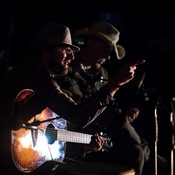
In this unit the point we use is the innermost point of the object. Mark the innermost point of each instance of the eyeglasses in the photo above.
(67, 50)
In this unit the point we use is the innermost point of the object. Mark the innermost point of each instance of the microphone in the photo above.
(87, 77)
(141, 81)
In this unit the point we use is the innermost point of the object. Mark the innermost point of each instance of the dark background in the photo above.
(147, 32)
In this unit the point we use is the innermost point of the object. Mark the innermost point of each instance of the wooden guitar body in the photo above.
(44, 139)
(30, 147)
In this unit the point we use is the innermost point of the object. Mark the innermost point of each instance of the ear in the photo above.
(45, 53)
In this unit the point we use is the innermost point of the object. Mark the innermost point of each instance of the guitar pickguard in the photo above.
(28, 156)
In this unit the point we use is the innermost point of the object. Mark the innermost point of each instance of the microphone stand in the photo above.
(156, 101)
(172, 117)
(37, 123)
(156, 137)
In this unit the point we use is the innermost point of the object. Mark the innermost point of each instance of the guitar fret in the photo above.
(27, 156)
(69, 136)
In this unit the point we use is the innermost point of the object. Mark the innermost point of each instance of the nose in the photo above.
(108, 57)
(71, 56)
(107, 54)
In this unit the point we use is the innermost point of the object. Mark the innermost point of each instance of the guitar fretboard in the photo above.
(76, 137)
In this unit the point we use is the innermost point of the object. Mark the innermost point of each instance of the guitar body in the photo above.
(30, 147)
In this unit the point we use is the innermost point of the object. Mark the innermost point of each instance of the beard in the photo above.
(58, 69)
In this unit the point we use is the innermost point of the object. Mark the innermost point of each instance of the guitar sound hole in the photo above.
(51, 134)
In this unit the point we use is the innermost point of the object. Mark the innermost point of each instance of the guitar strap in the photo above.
(22, 97)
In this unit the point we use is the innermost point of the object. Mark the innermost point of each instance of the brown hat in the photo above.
(105, 31)
(54, 34)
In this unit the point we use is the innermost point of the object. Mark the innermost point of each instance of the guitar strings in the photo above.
(55, 166)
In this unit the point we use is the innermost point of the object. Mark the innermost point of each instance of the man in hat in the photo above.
(30, 88)
(87, 76)
(96, 43)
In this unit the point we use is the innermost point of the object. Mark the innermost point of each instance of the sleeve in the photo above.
(47, 93)
(82, 114)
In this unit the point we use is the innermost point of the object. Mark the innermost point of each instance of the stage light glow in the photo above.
(50, 152)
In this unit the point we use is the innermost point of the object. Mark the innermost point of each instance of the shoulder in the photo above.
(104, 72)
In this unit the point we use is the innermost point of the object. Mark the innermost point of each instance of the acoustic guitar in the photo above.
(33, 145)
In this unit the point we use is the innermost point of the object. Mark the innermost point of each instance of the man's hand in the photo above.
(126, 72)
(96, 144)
(123, 76)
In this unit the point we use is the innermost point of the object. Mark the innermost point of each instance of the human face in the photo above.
(59, 60)
(132, 113)
(96, 53)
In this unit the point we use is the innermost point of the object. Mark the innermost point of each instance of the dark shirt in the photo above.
(46, 93)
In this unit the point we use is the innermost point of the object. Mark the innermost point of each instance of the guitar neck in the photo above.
(76, 137)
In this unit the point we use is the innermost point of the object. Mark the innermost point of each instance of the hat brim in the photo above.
(120, 51)
(73, 47)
